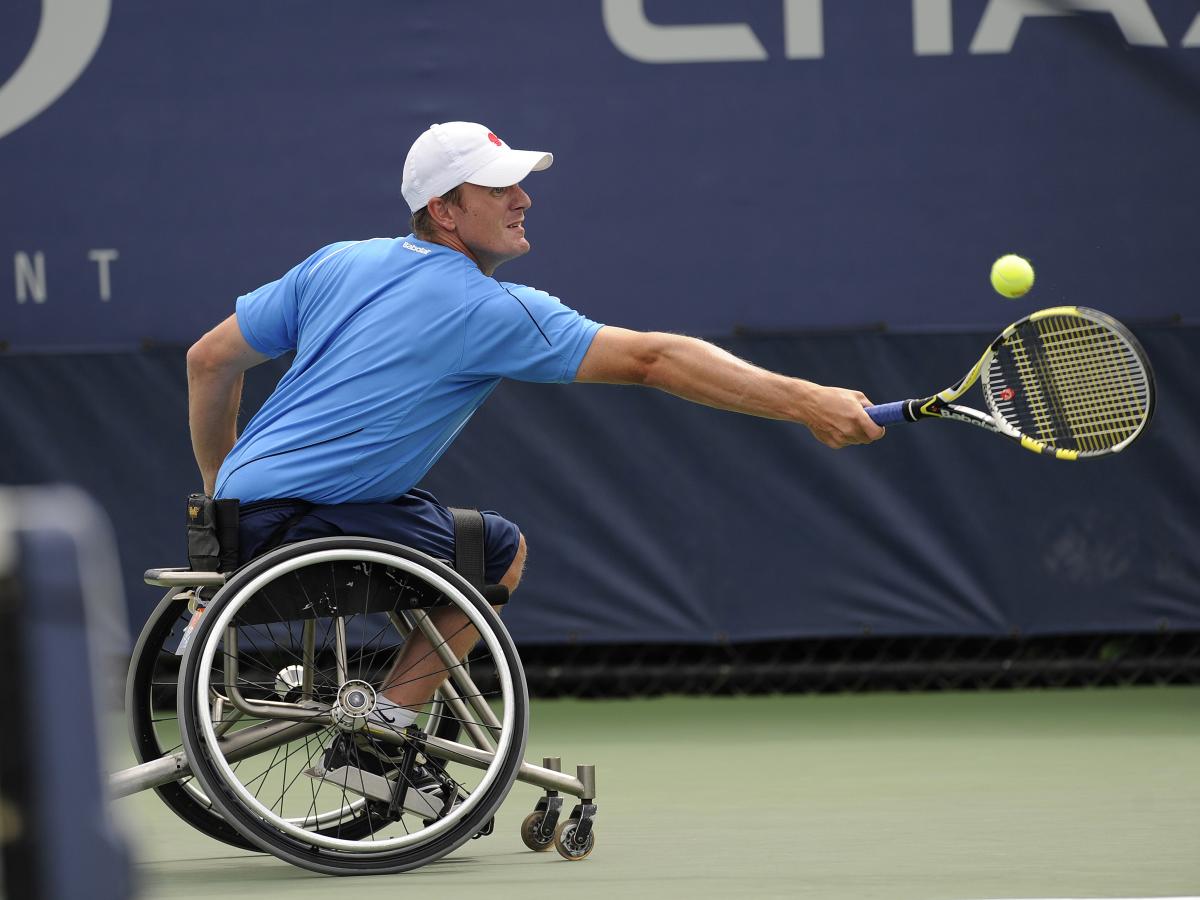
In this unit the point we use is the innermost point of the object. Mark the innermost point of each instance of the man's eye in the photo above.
(498, 192)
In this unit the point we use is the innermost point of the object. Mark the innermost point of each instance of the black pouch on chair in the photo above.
(204, 549)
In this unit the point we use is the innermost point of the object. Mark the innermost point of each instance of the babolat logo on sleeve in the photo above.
(415, 249)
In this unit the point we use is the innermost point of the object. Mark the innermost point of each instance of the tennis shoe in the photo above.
(364, 766)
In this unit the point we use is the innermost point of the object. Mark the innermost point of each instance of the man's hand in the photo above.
(836, 418)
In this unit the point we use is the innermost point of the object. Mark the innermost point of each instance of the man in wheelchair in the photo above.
(397, 342)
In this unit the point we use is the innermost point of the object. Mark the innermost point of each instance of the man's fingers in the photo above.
(845, 423)
(870, 429)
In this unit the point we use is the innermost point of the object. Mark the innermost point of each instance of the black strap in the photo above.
(227, 533)
(468, 545)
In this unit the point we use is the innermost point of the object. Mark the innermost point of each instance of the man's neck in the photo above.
(451, 240)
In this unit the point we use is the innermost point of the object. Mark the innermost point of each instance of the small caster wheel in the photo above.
(531, 832)
(567, 846)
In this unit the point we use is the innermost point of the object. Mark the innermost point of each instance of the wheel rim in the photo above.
(298, 827)
(163, 738)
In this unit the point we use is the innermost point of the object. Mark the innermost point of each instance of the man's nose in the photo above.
(522, 199)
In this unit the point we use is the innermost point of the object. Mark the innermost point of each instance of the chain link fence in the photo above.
(863, 664)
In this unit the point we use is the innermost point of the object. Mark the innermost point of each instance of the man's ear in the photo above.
(439, 211)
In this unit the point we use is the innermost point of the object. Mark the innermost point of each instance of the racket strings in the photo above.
(1099, 380)
(1074, 387)
(1079, 384)
(1061, 381)
(1030, 408)
(1107, 420)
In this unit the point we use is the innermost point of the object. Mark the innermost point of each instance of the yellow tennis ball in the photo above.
(1012, 276)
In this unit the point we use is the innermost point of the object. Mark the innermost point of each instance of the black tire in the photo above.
(279, 578)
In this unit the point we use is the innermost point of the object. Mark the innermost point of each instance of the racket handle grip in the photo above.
(888, 413)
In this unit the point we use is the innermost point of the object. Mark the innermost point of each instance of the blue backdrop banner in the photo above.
(652, 519)
(769, 164)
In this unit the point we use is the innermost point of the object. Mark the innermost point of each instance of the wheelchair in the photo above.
(240, 683)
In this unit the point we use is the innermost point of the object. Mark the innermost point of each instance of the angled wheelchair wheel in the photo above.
(150, 713)
(276, 699)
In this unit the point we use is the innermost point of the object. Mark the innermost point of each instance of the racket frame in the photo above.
(942, 406)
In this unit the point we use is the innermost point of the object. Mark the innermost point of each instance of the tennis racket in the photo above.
(1068, 382)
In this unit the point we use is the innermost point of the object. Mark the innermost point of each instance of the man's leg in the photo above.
(418, 670)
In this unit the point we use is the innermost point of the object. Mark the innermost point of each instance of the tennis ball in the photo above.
(1012, 276)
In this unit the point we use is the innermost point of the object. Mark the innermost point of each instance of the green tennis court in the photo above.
(1078, 793)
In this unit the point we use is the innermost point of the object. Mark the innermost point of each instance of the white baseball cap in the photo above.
(446, 155)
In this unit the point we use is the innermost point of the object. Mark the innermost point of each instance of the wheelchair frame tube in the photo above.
(182, 577)
(528, 773)
(173, 766)
(341, 651)
(268, 709)
(309, 660)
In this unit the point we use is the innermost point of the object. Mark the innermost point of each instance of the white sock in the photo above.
(391, 714)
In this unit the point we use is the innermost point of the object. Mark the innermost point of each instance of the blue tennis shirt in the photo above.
(397, 342)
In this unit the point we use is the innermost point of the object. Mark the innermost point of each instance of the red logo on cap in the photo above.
(1007, 394)
(495, 140)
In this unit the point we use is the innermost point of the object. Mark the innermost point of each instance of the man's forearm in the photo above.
(704, 373)
(215, 364)
(213, 401)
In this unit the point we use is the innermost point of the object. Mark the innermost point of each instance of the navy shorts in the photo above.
(416, 520)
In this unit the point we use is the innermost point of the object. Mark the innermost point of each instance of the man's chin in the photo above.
(510, 254)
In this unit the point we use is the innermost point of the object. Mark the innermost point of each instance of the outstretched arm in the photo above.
(215, 364)
(703, 373)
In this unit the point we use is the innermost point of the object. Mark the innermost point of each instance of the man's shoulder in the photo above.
(526, 290)
(528, 294)
(489, 298)
(331, 256)
(381, 257)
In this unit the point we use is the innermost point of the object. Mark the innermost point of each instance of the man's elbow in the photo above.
(212, 358)
(621, 356)
(651, 364)
(201, 358)
(222, 353)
